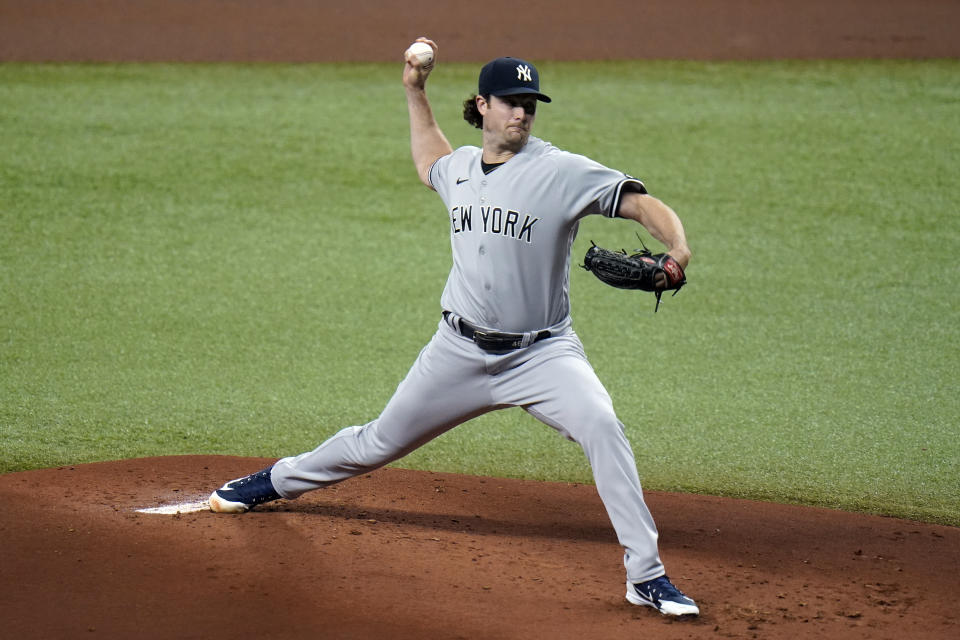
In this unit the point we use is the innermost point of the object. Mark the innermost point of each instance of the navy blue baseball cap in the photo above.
(510, 77)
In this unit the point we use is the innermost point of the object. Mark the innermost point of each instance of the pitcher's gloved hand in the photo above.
(642, 270)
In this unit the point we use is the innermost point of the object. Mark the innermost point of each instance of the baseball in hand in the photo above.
(423, 53)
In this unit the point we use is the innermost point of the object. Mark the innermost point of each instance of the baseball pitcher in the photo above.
(505, 337)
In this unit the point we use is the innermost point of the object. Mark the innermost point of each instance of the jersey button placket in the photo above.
(482, 250)
(482, 255)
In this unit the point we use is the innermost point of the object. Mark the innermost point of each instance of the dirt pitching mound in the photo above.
(406, 554)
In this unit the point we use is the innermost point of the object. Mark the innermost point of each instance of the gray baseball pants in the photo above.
(453, 381)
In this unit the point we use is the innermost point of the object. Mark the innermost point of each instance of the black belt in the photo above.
(495, 340)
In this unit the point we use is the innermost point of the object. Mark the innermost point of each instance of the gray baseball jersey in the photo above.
(511, 231)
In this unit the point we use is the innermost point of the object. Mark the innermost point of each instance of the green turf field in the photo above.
(240, 260)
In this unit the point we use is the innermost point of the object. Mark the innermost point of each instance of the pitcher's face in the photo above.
(507, 120)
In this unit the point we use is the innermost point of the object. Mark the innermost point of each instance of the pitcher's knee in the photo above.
(600, 433)
(367, 447)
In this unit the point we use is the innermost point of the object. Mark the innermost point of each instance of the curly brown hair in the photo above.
(470, 112)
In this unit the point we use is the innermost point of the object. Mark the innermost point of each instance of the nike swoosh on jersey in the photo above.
(462, 180)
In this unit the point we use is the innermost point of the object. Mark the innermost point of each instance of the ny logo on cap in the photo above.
(523, 73)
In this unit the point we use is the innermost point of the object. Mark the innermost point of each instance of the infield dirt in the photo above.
(537, 30)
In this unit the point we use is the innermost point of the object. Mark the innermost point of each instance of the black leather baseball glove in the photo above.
(642, 270)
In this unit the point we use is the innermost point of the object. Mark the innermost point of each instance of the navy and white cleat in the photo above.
(663, 596)
(244, 493)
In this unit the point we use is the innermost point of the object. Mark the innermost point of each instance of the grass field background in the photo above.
(219, 259)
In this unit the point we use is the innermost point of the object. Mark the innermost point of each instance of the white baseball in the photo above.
(423, 53)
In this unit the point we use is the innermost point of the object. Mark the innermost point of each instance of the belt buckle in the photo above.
(493, 342)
